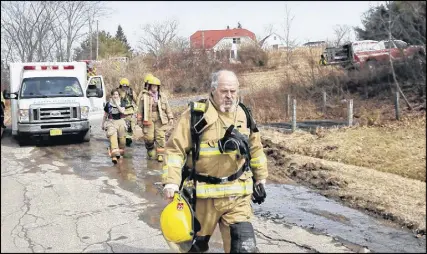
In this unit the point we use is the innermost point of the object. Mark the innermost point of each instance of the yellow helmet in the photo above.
(124, 82)
(179, 224)
(154, 81)
(147, 77)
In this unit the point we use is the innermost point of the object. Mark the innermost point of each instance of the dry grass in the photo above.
(391, 196)
(396, 147)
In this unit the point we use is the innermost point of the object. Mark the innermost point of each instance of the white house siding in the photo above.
(272, 42)
(227, 42)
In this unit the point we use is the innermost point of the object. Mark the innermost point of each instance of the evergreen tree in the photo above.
(120, 35)
(408, 22)
(109, 46)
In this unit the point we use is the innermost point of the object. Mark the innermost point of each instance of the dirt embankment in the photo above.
(381, 194)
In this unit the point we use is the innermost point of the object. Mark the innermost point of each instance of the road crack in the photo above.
(107, 241)
(268, 238)
(26, 206)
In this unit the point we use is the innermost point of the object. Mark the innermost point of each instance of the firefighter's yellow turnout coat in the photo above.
(226, 203)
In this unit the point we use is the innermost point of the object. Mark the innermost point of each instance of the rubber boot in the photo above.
(160, 158)
(128, 142)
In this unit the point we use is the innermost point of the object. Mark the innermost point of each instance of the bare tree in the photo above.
(342, 32)
(20, 23)
(157, 36)
(44, 30)
(72, 18)
(389, 25)
(290, 43)
(268, 30)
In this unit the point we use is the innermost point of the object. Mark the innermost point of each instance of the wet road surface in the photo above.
(63, 196)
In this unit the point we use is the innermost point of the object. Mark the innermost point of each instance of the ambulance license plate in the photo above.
(55, 132)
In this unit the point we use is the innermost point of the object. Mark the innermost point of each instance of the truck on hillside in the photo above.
(369, 53)
(54, 99)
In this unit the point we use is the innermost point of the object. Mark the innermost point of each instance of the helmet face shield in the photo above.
(178, 224)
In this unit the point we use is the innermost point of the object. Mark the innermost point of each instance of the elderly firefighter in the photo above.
(154, 115)
(217, 145)
(115, 125)
(128, 96)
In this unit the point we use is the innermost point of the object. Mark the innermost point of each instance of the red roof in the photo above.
(212, 37)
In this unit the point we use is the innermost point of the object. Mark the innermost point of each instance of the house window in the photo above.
(275, 38)
(236, 40)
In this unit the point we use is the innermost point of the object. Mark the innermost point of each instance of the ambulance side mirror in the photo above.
(7, 95)
(94, 92)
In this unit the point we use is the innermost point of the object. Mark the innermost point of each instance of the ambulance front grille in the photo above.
(58, 114)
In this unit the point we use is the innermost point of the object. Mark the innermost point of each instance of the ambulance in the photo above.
(54, 99)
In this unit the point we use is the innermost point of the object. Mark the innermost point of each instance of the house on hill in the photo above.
(273, 42)
(217, 40)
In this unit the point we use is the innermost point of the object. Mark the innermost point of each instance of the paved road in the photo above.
(68, 197)
(61, 196)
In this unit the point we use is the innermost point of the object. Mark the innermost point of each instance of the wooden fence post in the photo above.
(294, 115)
(324, 103)
(396, 105)
(350, 112)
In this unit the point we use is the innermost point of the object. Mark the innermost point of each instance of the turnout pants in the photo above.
(130, 125)
(116, 130)
(154, 134)
(233, 215)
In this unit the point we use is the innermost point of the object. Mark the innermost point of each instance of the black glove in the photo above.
(259, 194)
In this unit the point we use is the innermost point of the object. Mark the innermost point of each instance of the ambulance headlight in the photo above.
(24, 115)
(84, 112)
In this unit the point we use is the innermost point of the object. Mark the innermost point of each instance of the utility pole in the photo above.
(90, 38)
(97, 40)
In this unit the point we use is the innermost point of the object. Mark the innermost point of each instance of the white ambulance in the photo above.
(54, 99)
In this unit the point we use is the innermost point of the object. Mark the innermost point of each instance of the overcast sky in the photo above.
(313, 21)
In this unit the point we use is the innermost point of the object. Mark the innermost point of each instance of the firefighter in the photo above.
(322, 60)
(113, 123)
(128, 96)
(226, 169)
(2, 107)
(159, 115)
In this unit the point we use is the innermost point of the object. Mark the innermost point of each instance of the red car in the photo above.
(369, 53)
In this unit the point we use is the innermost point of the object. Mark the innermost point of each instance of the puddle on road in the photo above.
(299, 206)
(302, 207)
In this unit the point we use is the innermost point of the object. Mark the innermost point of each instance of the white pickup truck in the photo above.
(54, 99)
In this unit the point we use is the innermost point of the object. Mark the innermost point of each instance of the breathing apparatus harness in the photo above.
(233, 140)
(128, 96)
